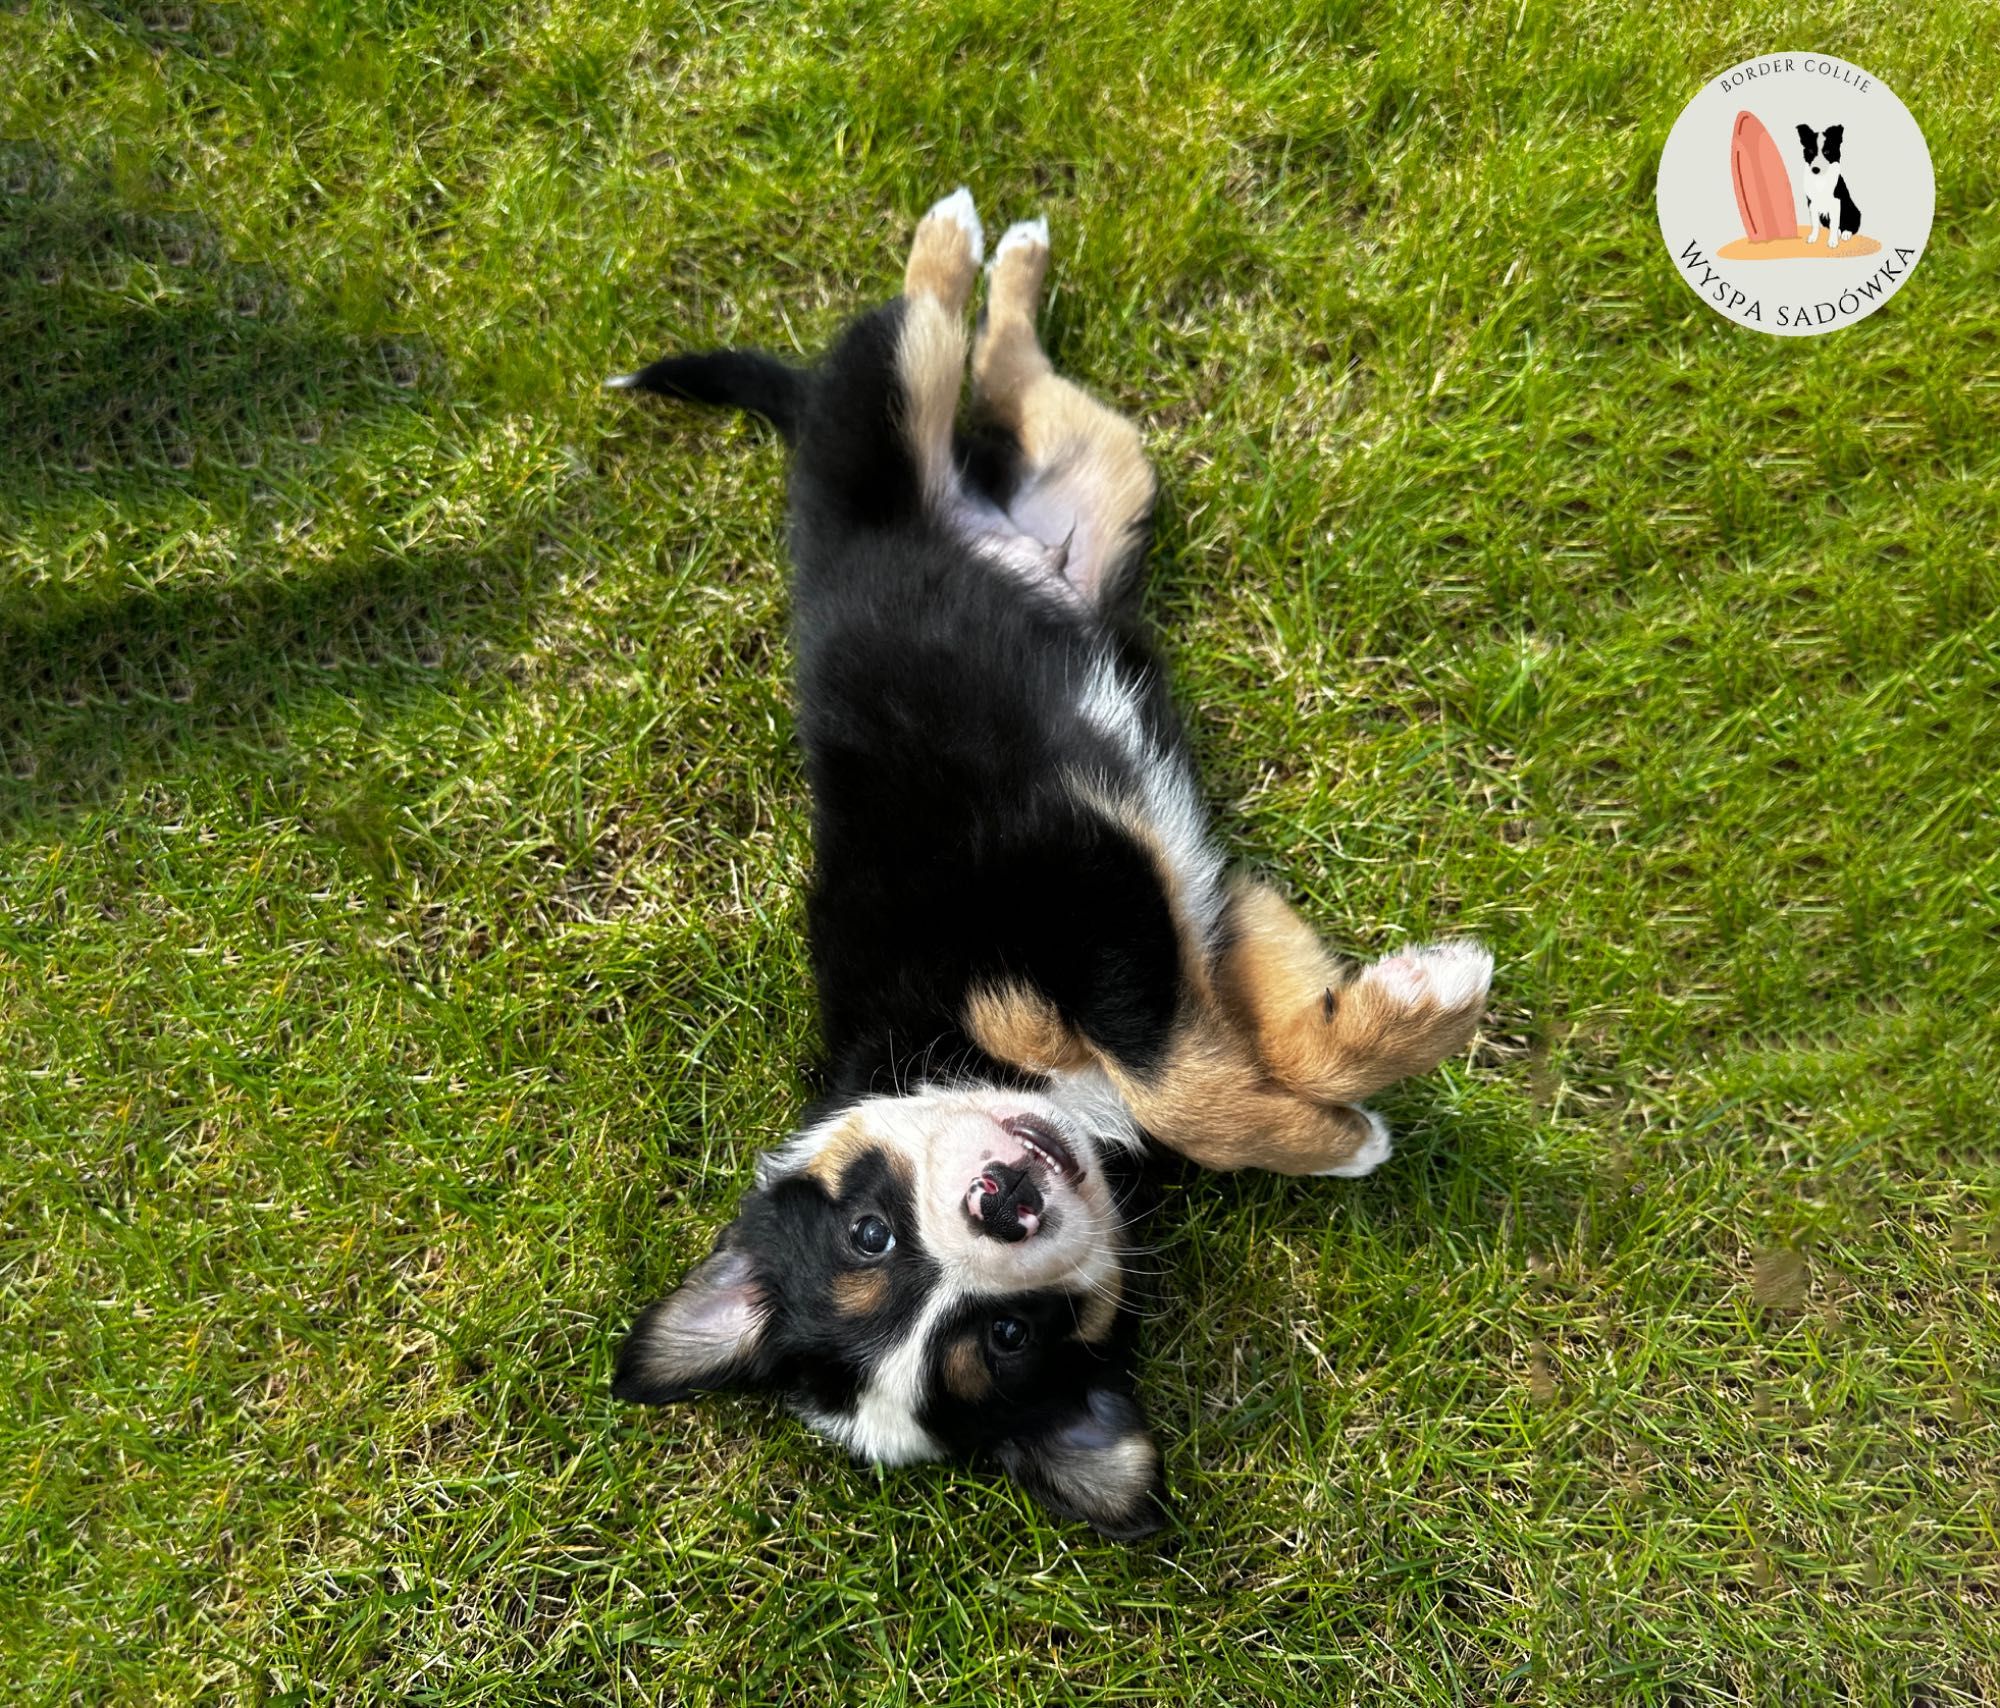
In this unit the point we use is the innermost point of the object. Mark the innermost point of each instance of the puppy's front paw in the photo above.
(1370, 1154)
(1452, 978)
(1398, 1017)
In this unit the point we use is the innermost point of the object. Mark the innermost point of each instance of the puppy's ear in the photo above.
(1829, 143)
(708, 1333)
(1807, 139)
(1098, 1464)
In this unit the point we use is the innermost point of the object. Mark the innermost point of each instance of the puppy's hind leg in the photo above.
(931, 343)
(1083, 486)
(874, 432)
(945, 253)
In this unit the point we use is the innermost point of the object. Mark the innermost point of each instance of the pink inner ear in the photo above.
(720, 1308)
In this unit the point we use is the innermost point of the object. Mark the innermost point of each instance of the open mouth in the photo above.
(1045, 1142)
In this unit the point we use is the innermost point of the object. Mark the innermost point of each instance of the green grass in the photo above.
(401, 851)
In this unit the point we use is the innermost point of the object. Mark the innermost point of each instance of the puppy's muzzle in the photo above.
(1005, 1202)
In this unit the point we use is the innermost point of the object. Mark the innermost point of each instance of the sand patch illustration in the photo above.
(1798, 249)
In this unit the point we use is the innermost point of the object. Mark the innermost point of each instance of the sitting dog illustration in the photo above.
(1829, 208)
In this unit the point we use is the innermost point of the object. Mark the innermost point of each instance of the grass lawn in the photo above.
(402, 849)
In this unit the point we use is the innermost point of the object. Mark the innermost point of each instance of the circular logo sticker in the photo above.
(1795, 193)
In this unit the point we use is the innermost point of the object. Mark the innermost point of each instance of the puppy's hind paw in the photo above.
(946, 252)
(1014, 279)
(958, 208)
(1023, 234)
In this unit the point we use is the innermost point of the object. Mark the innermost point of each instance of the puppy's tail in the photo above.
(730, 379)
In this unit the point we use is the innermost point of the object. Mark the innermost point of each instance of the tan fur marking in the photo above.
(843, 1145)
(1099, 1311)
(1317, 1032)
(1006, 361)
(1214, 1104)
(965, 1372)
(1021, 1027)
(1099, 453)
(860, 1292)
(1215, 1100)
(1014, 286)
(941, 266)
(1258, 1074)
(931, 347)
(1086, 462)
(930, 357)
(849, 1142)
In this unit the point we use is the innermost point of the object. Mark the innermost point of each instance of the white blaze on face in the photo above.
(946, 1139)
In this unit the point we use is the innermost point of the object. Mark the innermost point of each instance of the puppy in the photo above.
(1030, 958)
(1829, 208)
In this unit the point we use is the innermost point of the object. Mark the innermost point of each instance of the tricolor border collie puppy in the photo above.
(1829, 210)
(1031, 961)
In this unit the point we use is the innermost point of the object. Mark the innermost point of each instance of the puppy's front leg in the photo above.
(1335, 1038)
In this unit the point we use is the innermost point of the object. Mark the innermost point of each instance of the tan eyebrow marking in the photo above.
(860, 1292)
(846, 1145)
(965, 1372)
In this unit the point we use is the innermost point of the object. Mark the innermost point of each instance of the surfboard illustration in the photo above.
(1763, 186)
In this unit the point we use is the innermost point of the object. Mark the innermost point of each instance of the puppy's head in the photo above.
(1820, 148)
(939, 1275)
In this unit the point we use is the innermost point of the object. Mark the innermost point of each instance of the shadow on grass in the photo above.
(150, 387)
(111, 693)
(207, 32)
(139, 361)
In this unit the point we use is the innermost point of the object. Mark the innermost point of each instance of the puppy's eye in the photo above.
(1008, 1334)
(872, 1236)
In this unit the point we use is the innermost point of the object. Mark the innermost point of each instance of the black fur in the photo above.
(735, 379)
(936, 710)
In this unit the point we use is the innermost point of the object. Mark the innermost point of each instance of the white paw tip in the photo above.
(957, 207)
(1024, 234)
(621, 382)
(1372, 1152)
(1449, 976)
(1461, 972)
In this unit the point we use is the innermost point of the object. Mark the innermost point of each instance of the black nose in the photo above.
(1010, 1203)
